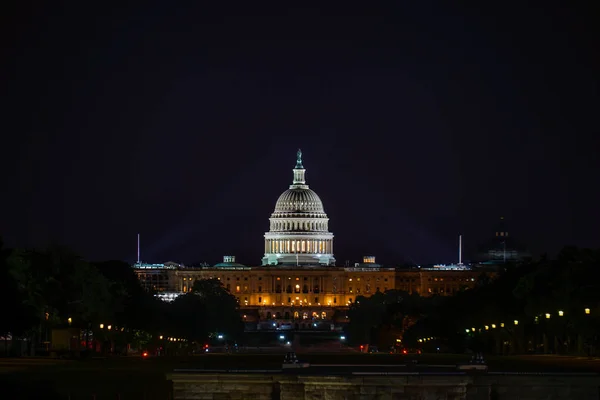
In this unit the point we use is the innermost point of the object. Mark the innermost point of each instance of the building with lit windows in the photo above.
(298, 283)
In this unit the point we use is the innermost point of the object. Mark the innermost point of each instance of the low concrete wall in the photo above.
(448, 387)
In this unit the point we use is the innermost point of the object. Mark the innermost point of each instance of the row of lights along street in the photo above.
(561, 313)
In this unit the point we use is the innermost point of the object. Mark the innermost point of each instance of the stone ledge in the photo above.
(212, 386)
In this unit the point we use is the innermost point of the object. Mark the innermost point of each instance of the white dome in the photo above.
(299, 228)
(299, 200)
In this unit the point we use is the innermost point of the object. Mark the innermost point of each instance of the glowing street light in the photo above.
(69, 320)
(109, 327)
(493, 326)
(547, 316)
(467, 330)
(516, 322)
(101, 326)
(587, 310)
(487, 327)
(561, 313)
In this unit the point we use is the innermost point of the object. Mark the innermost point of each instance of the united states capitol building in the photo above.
(298, 281)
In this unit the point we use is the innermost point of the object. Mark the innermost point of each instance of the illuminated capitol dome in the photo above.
(299, 232)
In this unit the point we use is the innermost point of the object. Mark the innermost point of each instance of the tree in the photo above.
(57, 287)
(208, 310)
(383, 317)
(16, 317)
(133, 306)
(366, 315)
(222, 308)
(188, 318)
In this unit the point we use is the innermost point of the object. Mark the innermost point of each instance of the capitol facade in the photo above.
(298, 283)
(299, 227)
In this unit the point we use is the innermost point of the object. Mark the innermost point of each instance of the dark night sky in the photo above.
(182, 123)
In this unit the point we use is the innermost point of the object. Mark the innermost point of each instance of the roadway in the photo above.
(320, 363)
(334, 364)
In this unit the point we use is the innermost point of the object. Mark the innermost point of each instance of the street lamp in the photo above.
(69, 320)
(561, 313)
(487, 327)
(493, 326)
(516, 322)
(467, 330)
(547, 316)
(101, 326)
(587, 310)
(109, 327)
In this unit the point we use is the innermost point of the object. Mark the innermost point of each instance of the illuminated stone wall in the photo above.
(292, 387)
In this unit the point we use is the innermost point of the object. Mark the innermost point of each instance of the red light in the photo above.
(145, 354)
(404, 351)
(206, 346)
(362, 347)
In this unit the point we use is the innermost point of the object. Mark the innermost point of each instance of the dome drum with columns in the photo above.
(299, 232)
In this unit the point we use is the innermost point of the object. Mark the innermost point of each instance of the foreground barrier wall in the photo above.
(413, 387)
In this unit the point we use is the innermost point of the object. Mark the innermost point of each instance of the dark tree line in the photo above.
(546, 306)
(54, 288)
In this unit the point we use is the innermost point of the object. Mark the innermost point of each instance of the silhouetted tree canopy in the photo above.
(523, 293)
(54, 288)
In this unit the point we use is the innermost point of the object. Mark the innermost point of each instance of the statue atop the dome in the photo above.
(299, 159)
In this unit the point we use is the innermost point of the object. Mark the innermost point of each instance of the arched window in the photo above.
(277, 288)
(305, 289)
(289, 289)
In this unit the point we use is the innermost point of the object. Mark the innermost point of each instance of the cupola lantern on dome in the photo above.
(299, 232)
(299, 180)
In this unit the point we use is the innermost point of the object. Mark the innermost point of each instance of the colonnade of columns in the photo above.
(310, 246)
(299, 225)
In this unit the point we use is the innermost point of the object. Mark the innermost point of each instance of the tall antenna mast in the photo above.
(138, 249)
(459, 249)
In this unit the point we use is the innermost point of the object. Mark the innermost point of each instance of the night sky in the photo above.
(182, 123)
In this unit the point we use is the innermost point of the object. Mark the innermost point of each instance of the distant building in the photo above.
(501, 247)
(298, 282)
